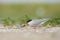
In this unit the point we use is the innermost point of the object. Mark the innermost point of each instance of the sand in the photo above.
(52, 33)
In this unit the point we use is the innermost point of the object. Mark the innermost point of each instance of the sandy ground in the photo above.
(30, 34)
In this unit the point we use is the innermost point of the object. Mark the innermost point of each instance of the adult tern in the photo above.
(36, 22)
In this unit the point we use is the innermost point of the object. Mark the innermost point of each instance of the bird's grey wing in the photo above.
(42, 21)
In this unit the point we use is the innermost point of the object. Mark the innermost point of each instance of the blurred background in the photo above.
(33, 8)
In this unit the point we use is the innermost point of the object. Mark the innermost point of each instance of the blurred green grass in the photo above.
(19, 11)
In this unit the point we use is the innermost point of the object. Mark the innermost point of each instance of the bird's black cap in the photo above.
(29, 20)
